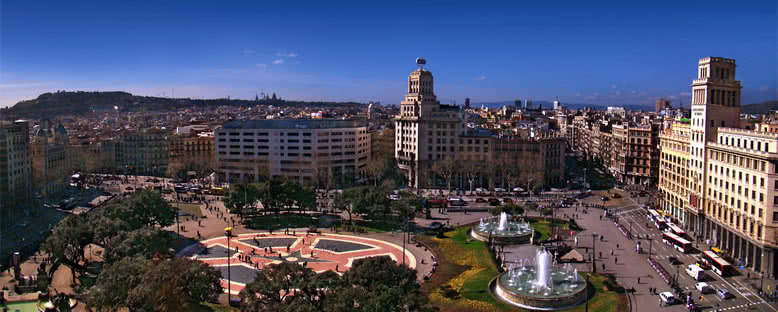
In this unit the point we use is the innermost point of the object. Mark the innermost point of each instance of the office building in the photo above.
(312, 151)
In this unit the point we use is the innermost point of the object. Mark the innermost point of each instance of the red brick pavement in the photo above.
(305, 244)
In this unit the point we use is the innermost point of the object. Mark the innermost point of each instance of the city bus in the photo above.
(677, 242)
(672, 228)
(717, 263)
(653, 215)
(660, 223)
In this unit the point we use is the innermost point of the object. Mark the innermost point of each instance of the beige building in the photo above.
(676, 181)
(732, 170)
(309, 151)
(429, 133)
(50, 166)
(635, 154)
(191, 152)
(142, 152)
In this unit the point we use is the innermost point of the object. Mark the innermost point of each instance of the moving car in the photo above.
(723, 293)
(703, 287)
(604, 198)
(394, 197)
(667, 297)
(500, 190)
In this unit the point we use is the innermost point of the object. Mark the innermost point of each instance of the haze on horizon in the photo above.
(605, 53)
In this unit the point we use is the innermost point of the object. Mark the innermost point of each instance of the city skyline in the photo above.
(357, 53)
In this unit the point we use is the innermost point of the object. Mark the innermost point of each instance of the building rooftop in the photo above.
(293, 124)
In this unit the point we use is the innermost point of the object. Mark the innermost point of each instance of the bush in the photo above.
(448, 292)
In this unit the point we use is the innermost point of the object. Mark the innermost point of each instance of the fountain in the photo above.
(540, 286)
(502, 230)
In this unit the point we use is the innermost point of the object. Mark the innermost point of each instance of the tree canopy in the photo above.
(372, 284)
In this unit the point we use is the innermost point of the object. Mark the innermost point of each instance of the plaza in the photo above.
(250, 252)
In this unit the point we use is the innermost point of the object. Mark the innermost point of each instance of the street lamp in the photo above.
(588, 275)
(594, 252)
(228, 233)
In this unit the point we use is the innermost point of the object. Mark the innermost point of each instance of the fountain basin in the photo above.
(502, 231)
(566, 289)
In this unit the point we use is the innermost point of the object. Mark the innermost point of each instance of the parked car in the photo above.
(616, 195)
(604, 198)
(394, 197)
(703, 287)
(667, 297)
(480, 200)
(500, 190)
(494, 202)
(723, 294)
(518, 189)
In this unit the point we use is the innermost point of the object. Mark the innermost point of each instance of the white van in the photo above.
(696, 272)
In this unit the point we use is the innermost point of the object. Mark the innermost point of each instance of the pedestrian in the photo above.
(616, 260)
(638, 279)
(617, 246)
(611, 252)
(603, 266)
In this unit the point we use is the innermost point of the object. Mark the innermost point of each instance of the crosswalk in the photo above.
(748, 297)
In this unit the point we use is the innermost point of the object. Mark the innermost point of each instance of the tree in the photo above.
(174, 284)
(68, 240)
(447, 169)
(342, 202)
(145, 242)
(278, 287)
(381, 284)
(472, 170)
(148, 208)
(372, 284)
(111, 291)
(240, 197)
(531, 206)
(375, 169)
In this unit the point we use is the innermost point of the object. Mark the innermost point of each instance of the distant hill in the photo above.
(49, 105)
(760, 108)
(549, 105)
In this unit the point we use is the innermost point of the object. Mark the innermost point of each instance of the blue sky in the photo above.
(615, 53)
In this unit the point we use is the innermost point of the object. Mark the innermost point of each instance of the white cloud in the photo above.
(480, 78)
(278, 61)
(247, 52)
(261, 65)
(287, 55)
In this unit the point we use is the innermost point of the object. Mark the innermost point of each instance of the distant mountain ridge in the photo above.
(760, 108)
(60, 103)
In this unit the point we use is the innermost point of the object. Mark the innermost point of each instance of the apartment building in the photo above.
(427, 132)
(15, 171)
(723, 178)
(676, 181)
(312, 151)
(50, 165)
(142, 152)
(191, 152)
(742, 194)
(635, 153)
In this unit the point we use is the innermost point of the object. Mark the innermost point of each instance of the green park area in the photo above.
(281, 221)
(190, 209)
(465, 269)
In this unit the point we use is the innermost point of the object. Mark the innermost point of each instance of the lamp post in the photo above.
(588, 275)
(594, 252)
(228, 232)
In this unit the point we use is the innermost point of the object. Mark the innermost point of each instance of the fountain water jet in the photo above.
(502, 230)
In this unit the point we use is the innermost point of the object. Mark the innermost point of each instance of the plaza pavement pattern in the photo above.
(250, 252)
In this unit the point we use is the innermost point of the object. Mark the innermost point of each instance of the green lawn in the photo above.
(192, 209)
(373, 226)
(472, 284)
(280, 221)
